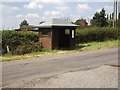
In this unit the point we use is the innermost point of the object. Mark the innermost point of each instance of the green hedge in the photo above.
(96, 34)
(20, 42)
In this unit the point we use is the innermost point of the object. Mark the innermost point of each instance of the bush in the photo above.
(20, 42)
(27, 48)
(96, 34)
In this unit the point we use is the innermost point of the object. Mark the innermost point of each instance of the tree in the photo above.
(107, 16)
(99, 19)
(81, 22)
(42, 22)
(24, 22)
(110, 16)
(110, 23)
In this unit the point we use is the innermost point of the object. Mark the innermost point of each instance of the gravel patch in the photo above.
(100, 77)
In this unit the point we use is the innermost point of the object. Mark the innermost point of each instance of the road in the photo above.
(51, 65)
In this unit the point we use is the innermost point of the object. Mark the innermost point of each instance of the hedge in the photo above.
(20, 42)
(96, 34)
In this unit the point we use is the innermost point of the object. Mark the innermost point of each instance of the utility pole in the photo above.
(114, 14)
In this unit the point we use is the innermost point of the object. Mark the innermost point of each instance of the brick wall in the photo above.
(46, 41)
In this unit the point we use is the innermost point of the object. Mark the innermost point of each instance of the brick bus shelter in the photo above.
(57, 34)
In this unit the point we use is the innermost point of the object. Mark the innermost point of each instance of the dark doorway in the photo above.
(64, 38)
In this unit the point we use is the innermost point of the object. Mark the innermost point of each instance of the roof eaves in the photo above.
(42, 26)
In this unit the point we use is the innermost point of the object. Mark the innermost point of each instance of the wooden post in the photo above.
(8, 50)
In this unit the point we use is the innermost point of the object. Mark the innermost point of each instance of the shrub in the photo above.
(45, 49)
(96, 34)
(27, 48)
(20, 42)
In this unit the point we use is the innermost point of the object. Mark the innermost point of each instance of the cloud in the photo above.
(98, 10)
(90, 17)
(33, 5)
(8, 9)
(29, 15)
(48, 1)
(55, 2)
(109, 9)
(82, 8)
(52, 13)
(12, 0)
(19, 16)
(2, 6)
(63, 8)
(32, 15)
(74, 17)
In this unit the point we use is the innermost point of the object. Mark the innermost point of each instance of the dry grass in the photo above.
(9, 57)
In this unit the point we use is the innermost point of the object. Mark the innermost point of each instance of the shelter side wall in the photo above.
(46, 41)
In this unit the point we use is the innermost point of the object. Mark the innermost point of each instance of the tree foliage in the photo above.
(81, 22)
(110, 23)
(99, 19)
(119, 20)
(24, 22)
(41, 22)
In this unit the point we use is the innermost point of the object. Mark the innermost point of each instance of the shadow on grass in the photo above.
(75, 48)
(81, 46)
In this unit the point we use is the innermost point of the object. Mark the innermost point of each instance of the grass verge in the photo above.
(79, 48)
(97, 45)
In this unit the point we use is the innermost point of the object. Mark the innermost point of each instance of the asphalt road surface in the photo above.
(51, 65)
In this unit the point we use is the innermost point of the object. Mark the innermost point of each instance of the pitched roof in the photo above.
(57, 22)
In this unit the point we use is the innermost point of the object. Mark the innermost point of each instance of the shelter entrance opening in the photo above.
(64, 38)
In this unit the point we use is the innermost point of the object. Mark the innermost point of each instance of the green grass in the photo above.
(97, 45)
(79, 48)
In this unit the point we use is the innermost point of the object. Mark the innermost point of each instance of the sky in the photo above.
(36, 11)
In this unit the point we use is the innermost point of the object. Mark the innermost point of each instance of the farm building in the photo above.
(27, 28)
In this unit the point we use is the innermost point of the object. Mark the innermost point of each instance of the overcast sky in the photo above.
(38, 10)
